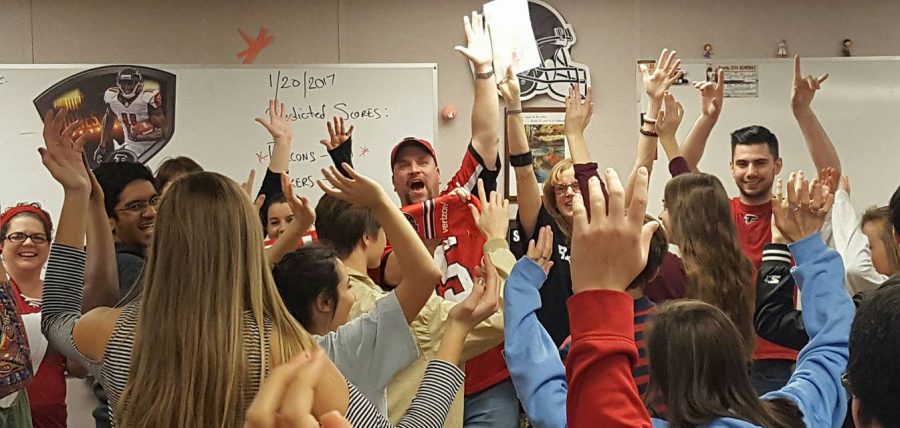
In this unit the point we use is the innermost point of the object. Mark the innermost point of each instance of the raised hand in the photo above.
(829, 178)
(337, 133)
(356, 189)
(286, 397)
(626, 240)
(62, 154)
(482, 301)
(804, 89)
(712, 95)
(663, 76)
(510, 91)
(845, 184)
(280, 128)
(541, 251)
(478, 43)
(669, 119)
(803, 212)
(493, 219)
(302, 210)
(247, 186)
(578, 111)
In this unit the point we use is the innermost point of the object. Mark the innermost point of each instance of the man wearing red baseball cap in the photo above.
(490, 398)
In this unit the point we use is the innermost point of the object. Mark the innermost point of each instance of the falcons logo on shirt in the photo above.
(750, 218)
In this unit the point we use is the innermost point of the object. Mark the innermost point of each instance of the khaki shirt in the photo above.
(428, 329)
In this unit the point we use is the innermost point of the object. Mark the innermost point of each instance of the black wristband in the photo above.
(524, 159)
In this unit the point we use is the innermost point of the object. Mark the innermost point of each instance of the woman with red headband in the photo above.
(25, 232)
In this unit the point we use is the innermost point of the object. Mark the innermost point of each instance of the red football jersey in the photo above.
(754, 228)
(459, 254)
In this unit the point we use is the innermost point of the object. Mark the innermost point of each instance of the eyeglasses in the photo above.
(561, 189)
(139, 207)
(845, 381)
(19, 237)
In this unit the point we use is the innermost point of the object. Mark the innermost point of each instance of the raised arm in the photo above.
(420, 274)
(823, 153)
(486, 108)
(532, 358)
(339, 143)
(712, 96)
(81, 338)
(656, 83)
(304, 217)
(667, 123)
(101, 282)
(602, 391)
(852, 244)
(282, 132)
(528, 193)
(827, 309)
(775, 318)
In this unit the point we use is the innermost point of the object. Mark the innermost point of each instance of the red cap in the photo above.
(408, 141)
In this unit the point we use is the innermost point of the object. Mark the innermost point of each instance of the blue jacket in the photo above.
(815, 386)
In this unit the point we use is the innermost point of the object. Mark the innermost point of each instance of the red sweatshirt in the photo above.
(601, 361)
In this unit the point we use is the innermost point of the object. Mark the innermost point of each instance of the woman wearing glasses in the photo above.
(25, 232)
(550, 206)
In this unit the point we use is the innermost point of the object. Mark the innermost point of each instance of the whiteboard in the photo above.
(858, 107)
(215, 108)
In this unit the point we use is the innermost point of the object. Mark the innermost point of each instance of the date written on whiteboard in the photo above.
(308, 83)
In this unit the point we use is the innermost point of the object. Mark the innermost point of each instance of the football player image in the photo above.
(138, 110)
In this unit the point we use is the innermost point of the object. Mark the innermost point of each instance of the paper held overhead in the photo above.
(512, 37)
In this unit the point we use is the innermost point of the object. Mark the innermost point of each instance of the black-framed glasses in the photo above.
(561, 189)
(845, 381)
(20, 237)
(139, 207)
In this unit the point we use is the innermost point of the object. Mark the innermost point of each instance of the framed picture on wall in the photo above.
(545, 132)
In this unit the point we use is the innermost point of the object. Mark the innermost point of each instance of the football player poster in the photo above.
(127, 111)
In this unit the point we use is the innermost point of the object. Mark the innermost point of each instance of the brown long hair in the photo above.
(696, 361)
(549, 196)
(205, 270)
(717, 271)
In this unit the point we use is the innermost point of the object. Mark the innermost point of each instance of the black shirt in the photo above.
(553, 314)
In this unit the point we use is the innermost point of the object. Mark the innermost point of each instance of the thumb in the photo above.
(660, 117)
(463, 50)
(262, 122)
(326, 143)
(647, 232)
(475, 214)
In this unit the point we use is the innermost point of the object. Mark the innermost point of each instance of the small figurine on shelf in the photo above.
(707, 51)
(782, 49)
(846, 45)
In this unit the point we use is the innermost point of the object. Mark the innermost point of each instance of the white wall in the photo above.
(612, 35)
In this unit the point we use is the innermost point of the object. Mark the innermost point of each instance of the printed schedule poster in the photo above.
(741, 81)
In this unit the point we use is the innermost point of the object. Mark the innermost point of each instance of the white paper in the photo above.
(511, 36)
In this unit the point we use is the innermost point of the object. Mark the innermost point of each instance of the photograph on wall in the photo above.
(546, 135)
(127, 111)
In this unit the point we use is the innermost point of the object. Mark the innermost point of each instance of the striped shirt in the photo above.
(62, 298)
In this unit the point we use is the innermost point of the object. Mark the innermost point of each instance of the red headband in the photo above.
(14, 211)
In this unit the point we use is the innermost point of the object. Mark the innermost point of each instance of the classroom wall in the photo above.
(612, 35)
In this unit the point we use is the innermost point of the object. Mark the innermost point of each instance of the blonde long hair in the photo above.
(205, 269)
(549, 196)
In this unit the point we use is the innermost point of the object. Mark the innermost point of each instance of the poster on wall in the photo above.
(128, 111)
(557, 71)
(546, 135)
(741, 80)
